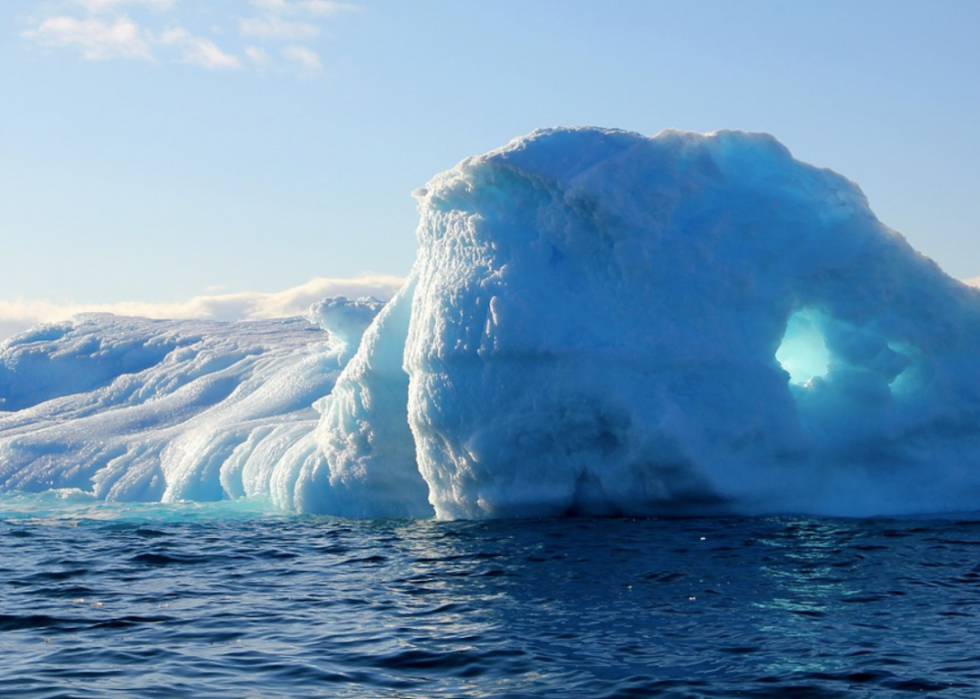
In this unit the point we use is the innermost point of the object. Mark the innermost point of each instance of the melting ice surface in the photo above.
(597, 322)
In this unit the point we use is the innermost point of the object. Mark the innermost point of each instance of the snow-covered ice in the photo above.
(597, 322)
(139, 409)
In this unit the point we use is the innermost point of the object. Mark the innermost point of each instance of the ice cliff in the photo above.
(597, 322)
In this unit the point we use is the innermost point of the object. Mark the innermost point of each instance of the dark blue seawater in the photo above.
(151, 601)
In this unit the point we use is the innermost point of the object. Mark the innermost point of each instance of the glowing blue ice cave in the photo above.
(803, 351)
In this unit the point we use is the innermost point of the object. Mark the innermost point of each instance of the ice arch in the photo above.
(594, 324)
(597, 322)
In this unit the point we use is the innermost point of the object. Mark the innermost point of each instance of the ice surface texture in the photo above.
(137, 409)
(597, 322)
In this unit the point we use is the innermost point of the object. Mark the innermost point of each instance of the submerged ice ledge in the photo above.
(597, 322)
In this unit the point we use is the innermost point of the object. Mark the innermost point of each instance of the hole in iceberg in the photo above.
(803, 353)
(903, 379)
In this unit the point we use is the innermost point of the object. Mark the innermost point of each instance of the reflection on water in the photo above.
(136, 602)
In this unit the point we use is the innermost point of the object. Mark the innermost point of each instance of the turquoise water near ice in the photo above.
(230, 600)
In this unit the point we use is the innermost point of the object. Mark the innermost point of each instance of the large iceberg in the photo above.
(597, 323)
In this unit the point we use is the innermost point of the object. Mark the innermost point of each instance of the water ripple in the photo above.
(317, 607)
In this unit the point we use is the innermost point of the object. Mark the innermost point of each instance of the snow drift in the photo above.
(597, 322)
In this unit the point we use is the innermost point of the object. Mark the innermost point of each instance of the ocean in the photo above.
(209, 601)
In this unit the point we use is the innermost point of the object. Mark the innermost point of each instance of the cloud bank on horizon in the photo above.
(269, 34)
(20, 314)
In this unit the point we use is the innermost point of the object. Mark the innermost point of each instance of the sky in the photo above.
(238, 158)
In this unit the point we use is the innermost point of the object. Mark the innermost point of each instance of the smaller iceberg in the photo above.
(134, 409)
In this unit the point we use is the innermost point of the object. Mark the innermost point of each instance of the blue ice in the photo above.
(597, 322)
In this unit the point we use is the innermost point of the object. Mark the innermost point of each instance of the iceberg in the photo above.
(597, 323)
(133, 409)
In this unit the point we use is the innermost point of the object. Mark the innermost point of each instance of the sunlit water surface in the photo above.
(231, 601)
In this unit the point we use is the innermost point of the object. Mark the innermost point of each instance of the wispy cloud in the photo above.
(286, 31)
(199, 51)
(21, 314)
(325, 8)
(257, 55)
(309, 60)
(96, 39)
(95, 6)
(321, 8)
(277, 28)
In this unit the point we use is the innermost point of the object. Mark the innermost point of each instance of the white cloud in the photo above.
(108, 5)
(275, 28)
(320, 8)
(19, 315)
(309, 60)
(101, 30)
(271, 5)
(324, 8)
(199, 50)
(96, 39)
(257, 55)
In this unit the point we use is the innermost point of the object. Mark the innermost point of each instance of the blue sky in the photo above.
(172, 153)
